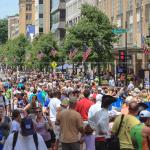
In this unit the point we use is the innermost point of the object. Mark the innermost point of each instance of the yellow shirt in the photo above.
(128, 123)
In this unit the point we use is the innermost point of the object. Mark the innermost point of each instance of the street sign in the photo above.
(119, 31)
(53, 64)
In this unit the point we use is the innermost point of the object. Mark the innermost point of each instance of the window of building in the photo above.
(138, 3)
(40, 15)
(28, 16)
(120, 6)
(112, 7)
(130, 5)
(40, 1)
(130, 38)
(62, 15)
(139, 26)
(55, 17)
(41, 30)
(28, 0)
(147, 13)
(28, 7)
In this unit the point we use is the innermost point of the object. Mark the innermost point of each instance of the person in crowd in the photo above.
(2, 99)
(8, 97)
(129, 121)
(43, 124)
(111, 82)
(83, 105)
(30, 108)
(88, 138)
(4, 126)
(130, 86)
(26, 139)
(16, 119)
(101, 122)
(96, 107)
(71, 124)
(54, 106)
(140, 134)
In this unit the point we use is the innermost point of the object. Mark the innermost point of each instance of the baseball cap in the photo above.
(72, 100)
(27, 127)
(144, 114)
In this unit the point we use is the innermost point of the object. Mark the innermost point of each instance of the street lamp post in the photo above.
(126, 52)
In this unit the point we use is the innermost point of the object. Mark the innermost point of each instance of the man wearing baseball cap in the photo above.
(140, 134)
(26, 139)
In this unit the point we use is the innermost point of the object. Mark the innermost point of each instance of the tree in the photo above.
(3, 31)
(13, 51)
(43, 43)
(95, 30)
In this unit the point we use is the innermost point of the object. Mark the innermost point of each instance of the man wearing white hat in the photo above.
(96, 107)
(140, 134)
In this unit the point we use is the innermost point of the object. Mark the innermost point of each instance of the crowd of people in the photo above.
(48, 112)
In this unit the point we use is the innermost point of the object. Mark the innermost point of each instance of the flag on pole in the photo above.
(53, 52)
(145, 47)
(40, 55)
(86, 52)
(73, 52)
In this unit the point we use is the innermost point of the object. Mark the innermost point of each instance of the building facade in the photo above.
(133, 15)
(34, 16)
(58, 18)
(13, 27)
(73, 11)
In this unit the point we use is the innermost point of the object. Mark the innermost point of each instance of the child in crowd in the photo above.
(88, 138)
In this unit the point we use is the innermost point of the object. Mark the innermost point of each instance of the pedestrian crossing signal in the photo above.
(122, 56)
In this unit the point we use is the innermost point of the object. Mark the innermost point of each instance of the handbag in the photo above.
(51, 131)
(113, 143)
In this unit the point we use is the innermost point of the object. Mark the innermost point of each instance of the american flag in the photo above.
(73, 52)
(86, 52)
(53, 52)
(40, 55)
(145, 47)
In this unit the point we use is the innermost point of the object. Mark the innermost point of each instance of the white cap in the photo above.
(99, 97)
(144, 114)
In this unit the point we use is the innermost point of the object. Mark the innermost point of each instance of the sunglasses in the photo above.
(38, 112)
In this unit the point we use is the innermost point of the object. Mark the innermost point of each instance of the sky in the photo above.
(8, 8)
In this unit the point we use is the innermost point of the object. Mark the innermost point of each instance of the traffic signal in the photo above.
(122, 56)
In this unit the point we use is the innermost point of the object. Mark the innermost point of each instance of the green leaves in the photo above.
(95, 30)
(3, 31)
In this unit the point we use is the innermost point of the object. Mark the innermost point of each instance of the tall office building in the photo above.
(134, 15)
(13, 27)
(73, 11)
(44, 16)
(58, 16)
(34, 16)
(26, 15)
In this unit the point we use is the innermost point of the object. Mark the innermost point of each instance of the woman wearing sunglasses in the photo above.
(42, 126)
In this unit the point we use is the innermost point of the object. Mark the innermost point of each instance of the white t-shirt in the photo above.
(53, 105)
(15, 126)
(94, 108)
(24, 143)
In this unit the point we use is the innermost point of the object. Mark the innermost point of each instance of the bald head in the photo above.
(133, 108)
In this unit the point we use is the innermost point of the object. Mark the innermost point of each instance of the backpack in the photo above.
(15, 137)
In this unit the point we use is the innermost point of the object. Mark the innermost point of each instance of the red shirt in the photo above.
(83, 106)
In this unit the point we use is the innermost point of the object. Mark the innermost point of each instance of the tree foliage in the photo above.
(3, 30)
(95, 30)
(21, 52)
(43, 43)
(13, 52)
